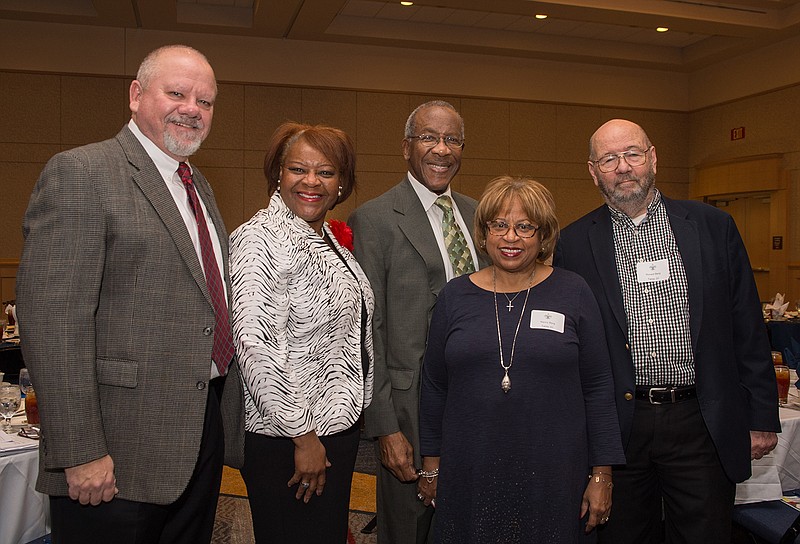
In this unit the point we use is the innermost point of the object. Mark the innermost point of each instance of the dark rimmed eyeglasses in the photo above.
(501, 228)
(429, 140)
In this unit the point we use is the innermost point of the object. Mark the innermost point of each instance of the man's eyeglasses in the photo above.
(429, 140)
(634, 157)
(500, 228)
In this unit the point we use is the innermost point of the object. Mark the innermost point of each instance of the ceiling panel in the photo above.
(614, 32)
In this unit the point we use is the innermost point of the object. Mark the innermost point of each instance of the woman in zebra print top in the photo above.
(302, 322)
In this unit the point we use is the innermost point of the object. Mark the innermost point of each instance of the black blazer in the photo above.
(734, 377)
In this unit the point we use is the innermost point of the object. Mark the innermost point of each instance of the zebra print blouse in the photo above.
(296, 315)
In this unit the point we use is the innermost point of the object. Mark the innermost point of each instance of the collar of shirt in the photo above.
(426, 196)
(166, 165)
(632, 222)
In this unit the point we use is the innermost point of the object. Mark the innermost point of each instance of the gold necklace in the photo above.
(505, 383)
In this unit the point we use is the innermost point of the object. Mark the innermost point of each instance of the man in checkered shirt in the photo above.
(694, 385)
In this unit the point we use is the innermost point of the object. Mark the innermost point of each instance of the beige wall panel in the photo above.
(381, 122)
(531, 128)
(21, 179)
(264, 109)
(575, 124)
(37, 153)
(487, 128)
(732, 78)
(254, 194)
(673, 190)
(31, 108)
(335, 108)
(254, 158)
(534, 169)
(391, 163)
(573, 198)
(92, 108)
(64, 48)
(227, 128)
(343, 210)
(374, 184)
(228, 192)
(486, 167)
(470, 185)
(770, 122)
(8, 289)
(221, 158)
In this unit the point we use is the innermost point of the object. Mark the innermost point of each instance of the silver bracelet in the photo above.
(429, 475)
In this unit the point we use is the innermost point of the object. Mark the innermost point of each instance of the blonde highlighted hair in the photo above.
(537, 203)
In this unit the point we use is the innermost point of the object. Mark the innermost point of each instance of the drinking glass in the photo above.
(782, 377)
(25, 385)
(9, 404)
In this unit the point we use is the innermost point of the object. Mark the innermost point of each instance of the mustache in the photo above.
(184, 120)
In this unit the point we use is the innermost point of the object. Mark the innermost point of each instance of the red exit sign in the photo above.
(737, 133)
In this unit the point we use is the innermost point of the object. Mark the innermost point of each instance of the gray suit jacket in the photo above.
(396, 248)
(116, 322)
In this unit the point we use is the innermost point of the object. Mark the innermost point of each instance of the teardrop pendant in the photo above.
(506, 383)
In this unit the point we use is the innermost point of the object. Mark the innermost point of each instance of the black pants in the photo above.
(280, 518)
(671, 461)
(189, 520)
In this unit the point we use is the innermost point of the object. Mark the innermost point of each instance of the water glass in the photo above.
(9, 404)
(25, 385)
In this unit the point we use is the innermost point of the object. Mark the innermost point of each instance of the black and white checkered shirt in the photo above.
(657, 311)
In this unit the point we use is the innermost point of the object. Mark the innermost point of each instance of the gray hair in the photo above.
(411, 123)
(149, 66)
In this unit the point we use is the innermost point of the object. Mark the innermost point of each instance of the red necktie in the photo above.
(222, 352)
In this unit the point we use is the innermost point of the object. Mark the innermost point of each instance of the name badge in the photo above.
(650, 271)
(547, 320)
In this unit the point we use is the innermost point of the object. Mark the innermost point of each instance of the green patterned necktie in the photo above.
(457, 248)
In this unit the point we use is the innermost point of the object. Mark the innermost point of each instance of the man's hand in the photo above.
(398, 456)
(93, 482)
(761, 443)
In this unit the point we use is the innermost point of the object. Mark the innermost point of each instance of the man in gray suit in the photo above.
(122, 306)
(400, 243)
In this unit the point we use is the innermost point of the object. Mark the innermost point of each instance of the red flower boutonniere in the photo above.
(342, 232)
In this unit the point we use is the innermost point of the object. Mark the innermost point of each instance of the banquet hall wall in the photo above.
(53, 101)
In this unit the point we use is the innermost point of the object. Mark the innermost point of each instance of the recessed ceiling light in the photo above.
(406, 3)
(662, 29)
(540, 16)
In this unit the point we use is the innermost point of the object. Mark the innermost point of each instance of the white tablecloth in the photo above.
(779, 471)
(24, 512)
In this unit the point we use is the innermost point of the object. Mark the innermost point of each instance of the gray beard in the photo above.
(181, 148)
(633, 199)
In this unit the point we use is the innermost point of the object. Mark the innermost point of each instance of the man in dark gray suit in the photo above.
(122, 302)
(400, 243)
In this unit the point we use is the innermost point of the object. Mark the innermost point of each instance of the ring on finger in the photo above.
(420, 497)
(306, 485)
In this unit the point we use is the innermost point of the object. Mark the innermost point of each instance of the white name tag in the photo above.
(650, 271)
(548, 320)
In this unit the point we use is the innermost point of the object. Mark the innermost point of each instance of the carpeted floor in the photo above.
(233, 522)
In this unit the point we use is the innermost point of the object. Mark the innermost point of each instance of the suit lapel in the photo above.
(688, 239)
(413, 222)
(601, 242)
(155, 190)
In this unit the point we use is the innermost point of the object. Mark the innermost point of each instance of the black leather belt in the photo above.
(665, 395)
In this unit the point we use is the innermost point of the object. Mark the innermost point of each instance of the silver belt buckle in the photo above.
(660, 389)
